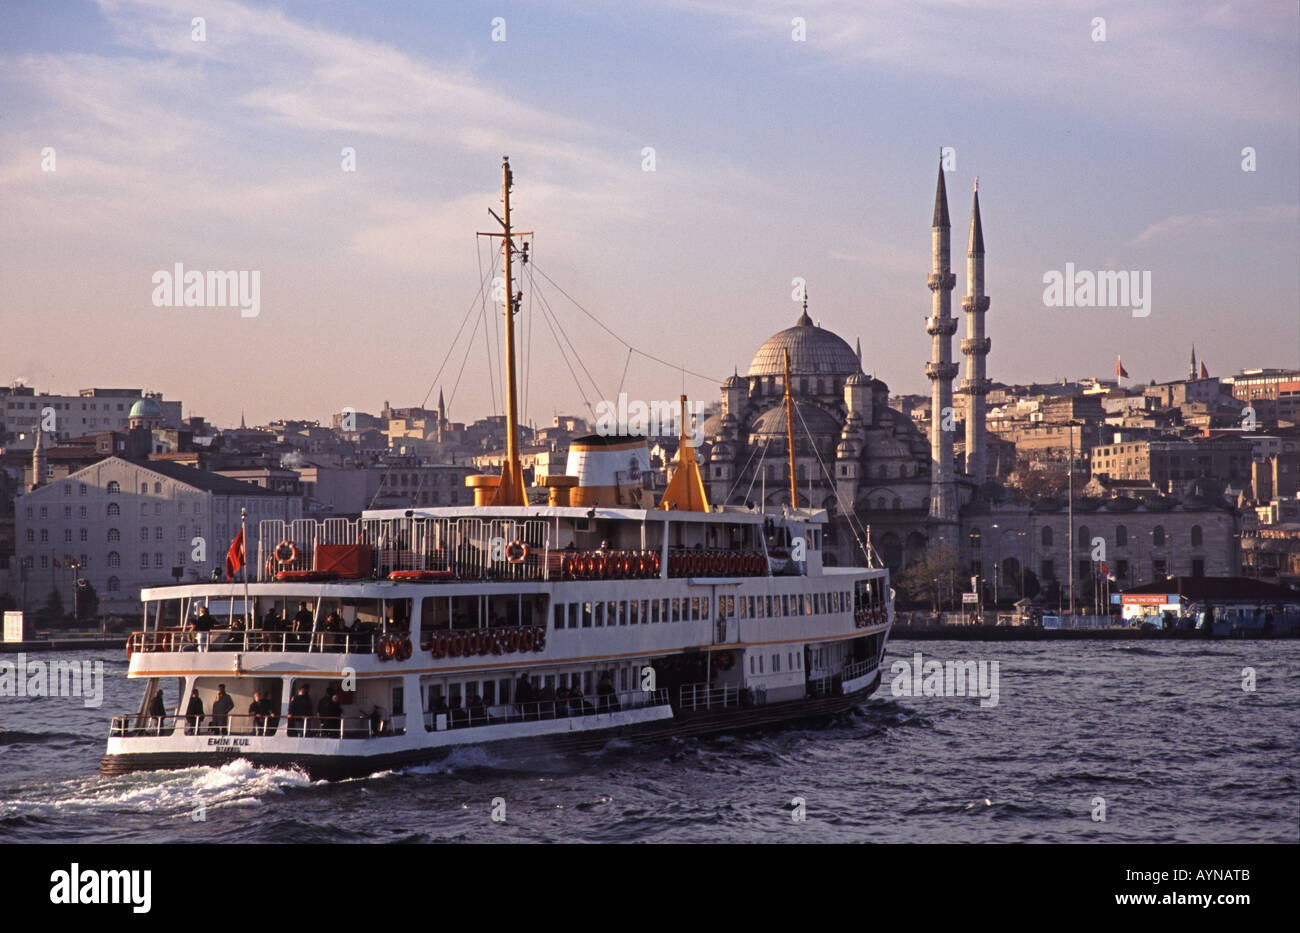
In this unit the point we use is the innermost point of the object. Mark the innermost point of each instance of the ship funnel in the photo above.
(612, 470)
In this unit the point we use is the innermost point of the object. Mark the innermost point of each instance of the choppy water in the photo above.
(1161, 730)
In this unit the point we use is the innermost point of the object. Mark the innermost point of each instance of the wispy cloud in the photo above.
(1215, 220)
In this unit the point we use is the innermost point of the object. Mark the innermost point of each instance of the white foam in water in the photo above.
(237, 783)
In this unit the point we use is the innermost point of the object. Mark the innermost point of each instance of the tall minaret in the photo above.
(941, 370)
(975, 346)
(1191, 367)
(38, 459)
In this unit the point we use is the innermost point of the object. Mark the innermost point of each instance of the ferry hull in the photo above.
(682, 724)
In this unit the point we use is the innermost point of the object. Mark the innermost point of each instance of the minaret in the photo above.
(1191, 367)
(38, 459)
(941, 370)
(975, 346)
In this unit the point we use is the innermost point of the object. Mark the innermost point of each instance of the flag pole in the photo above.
(243, 542)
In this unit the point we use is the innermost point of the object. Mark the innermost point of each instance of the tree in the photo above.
(87, 602)
(52, 613)
(938, 571)
(1041, 480)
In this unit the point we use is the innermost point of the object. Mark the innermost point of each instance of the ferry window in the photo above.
(743, 614)
(622, 679)
(751, 664)
(503, 690)
(600, 614)
(559, 616)
(731, 605)
(760, 664)
(489, 693)
(776, 664)
(635, 613)
(586, 615)
(611, 613)
(435, 613)
(453, 696)
(549, 683)
(435, 694)
(704, 608)
(622, 613)
(573, 615)
(677, 610)
(790, 658)
(807, 604)
(663, 611)
(695, 608)
(588, 684)
(654, 611)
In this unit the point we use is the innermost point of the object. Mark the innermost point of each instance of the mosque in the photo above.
(855, 453)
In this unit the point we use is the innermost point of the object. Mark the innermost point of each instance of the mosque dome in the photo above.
(813, 351)
(145, 408)
(819, 421)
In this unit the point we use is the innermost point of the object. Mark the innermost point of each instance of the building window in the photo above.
(67, 489)
(1084, 536)
(67, 535)
(114, 584)
(45, 512)
(31, 536)
(144, 534)
(114, 559)
(1196, 540)
(144, 560)
(1121, 535)
(1046, 536)
(157, 488)
(1121, 570)
(83, 489)
(114, 510)
(84, 536)
(1158, 536)
(114, 535)
(144, 489)
(45, 561)
(114, 487)
(45, 535)
(1158, 569)
(158, 533)
(1198, 567)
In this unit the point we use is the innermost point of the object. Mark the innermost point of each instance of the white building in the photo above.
(128, 524)
(93, 411)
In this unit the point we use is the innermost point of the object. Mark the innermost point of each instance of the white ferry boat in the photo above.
(396, 638)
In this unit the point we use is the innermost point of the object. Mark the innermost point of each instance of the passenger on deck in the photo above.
(523, 695)
(260, 711)
(562, 703)
(606, 699)
(546, 702)
(203, 624)
(300, 710)
(221, 707)
(331, 714)
(477, 711)
(303, 622)
(577, 705)
(157, 711)
(458, 715)
(193, 714)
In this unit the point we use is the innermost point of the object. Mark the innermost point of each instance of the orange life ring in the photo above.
(286, 557)
(654, 563)
(527, 640)
(404, 650)
(497, 639)
(457, 645)
(539, 643)
(387, 648)
(571, 565)
(485, 643)
(440, 645)
(512, 641)
(516, 551)
(598, 564)
(472, 643)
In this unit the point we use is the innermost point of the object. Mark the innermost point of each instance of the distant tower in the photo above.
(1191, 367)
(39, 468)
(941, 370)
(975, 346)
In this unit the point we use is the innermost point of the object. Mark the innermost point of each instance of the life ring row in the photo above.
(715, 563)
(865, 618)
(493, 641)
(606, 565)
(394, 648)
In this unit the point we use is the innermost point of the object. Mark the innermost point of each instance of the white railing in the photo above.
(467, 715)
(360, 726)
(463, 548)
(703, 696)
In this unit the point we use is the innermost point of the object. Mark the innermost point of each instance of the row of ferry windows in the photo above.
(494, 692)
(793, 662)
(694, 608)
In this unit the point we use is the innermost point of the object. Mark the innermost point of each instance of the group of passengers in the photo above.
(299, 632)
(531, 703)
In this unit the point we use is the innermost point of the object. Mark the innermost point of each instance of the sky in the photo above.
(791, 140)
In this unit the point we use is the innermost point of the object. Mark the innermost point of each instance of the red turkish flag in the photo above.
(1120, 371)
(235, 556)
(1205, 373)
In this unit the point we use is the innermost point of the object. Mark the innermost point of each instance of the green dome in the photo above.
(145, 408)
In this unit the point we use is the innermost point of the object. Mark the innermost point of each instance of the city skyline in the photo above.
(226, 154)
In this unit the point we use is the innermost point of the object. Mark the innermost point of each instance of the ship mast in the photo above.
(789, 429)
(510, 490)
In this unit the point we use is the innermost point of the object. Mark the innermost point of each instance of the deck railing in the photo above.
(465, 716)
(703, 696)
(359, 726)
(459, 548)
(177, 639)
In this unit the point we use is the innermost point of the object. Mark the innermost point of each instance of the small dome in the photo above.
(819, 421)
(813, 351)
(733, 382)
(858, 379)
(145, 408)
